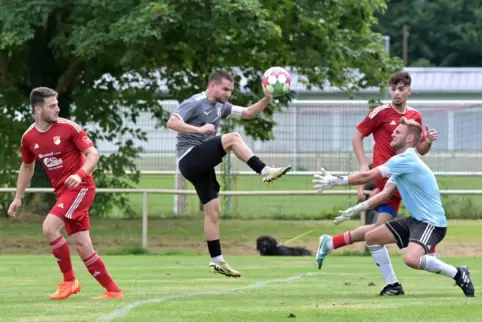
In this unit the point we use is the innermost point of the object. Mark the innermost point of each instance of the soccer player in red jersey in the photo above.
(380, 122)
(68, 157)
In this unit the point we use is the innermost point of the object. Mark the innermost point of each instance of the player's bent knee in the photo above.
(229, 139)
(371, 238)
(51, 227)
(212, 210)
(82, 243)
(411, 260)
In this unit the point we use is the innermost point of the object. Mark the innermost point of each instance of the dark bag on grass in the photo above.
(268, 246)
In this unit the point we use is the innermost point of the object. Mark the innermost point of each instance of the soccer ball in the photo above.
(276, 81)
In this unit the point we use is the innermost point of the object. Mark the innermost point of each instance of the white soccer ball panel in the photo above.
(272, 79)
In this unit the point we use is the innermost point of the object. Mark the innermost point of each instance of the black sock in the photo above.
(256, 164)
(214, 247)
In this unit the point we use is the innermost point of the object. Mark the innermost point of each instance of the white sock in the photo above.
(218, 258)
(329, 243)
(435, 265)
(265, 170)
(382, 259)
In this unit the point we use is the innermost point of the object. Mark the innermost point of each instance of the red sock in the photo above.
(342, 240)
(61, 251)
(432, 251)
(96, 268)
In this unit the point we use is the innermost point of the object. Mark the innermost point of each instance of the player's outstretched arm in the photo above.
(252, 111)
(24, 177)
(324, 180)
(374, 201)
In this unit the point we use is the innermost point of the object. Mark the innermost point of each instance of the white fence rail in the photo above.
(310, 133)
(146, 192)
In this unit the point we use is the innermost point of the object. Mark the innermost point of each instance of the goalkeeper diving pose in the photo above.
(380, 123)
(427, 225)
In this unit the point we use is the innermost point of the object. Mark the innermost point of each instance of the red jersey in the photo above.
(60, 150)
(381, 122)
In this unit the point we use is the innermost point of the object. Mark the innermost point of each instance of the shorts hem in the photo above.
(419, 243)
(396, 235)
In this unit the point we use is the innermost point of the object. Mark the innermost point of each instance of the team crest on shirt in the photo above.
(219, 111)
(56, 140)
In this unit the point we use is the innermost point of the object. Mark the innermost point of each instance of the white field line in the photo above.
(125, 309)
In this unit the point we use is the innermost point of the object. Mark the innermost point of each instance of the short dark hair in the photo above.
(39, 94)
(414, 128)
(400, 77)
(220, 74)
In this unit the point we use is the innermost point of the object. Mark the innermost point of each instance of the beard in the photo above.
(397, 145)
(49, 120)
(220, 100)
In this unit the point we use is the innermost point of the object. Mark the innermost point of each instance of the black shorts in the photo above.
(409, 230)
(198, 167)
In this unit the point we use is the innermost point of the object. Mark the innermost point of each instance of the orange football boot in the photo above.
(66, 289)
(110, 295)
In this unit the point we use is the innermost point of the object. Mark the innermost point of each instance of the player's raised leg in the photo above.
(61, 251)
(328, 243)
(234, 142)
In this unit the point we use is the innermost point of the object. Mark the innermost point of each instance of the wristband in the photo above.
(81, 173)
(362, 206)
(341, 181)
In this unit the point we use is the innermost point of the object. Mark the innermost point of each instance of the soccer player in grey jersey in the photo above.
(200, 150)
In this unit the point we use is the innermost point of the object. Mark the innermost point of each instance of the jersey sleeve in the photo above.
(370, 122)
(82, 141)
(226, 110)
(27, 155)
(397, 165)
(393, 179)
(186, 110)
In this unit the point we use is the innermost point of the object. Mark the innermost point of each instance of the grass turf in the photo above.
(179, 288)
(171, 283)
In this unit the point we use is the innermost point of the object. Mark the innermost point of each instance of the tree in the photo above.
(441, 33)
(72, 46)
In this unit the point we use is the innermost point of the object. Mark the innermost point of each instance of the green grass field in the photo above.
(292, 207)
(171, 282)
(179, 288)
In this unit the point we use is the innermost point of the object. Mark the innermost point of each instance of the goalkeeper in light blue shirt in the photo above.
(423, 230)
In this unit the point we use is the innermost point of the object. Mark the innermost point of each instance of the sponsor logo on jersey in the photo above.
(53, 163)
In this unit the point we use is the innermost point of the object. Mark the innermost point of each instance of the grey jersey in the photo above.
(197, 111)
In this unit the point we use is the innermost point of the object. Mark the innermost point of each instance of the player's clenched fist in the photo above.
(14, 206)
(207, 128)
(73, 181)
(432, 134)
